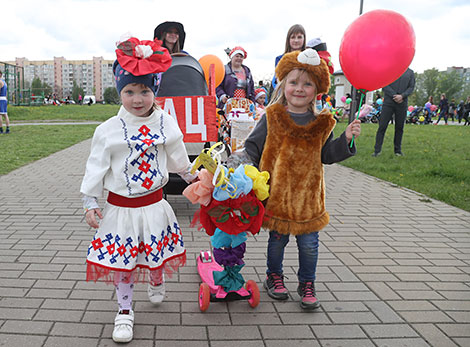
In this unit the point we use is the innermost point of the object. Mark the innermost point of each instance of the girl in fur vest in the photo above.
(292, 143)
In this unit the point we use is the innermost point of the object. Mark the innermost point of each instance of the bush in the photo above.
(111, 96)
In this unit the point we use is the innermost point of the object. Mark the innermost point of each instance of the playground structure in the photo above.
(18, 95)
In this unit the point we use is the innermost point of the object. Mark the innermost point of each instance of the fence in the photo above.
(17, 94)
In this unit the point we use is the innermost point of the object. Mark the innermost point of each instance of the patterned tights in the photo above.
(125, 287)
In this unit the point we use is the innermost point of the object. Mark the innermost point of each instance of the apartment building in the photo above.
(464, 72)
(94, 76)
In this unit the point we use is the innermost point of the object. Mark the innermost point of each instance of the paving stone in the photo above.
(276, 332)
(383, 312)
(170, 343)
(17, 313)
(343, 331)
(70, 342)
(455, 330)
(353, 318)
(21, 326)
(382, 290)
(401, 342)
(347, 343)
(283, 343)
(433, 335)
(25, 340)
(389, 330)
(181, 333)
(58, 315)
(246, 332)
(412, 305)
(425, 316)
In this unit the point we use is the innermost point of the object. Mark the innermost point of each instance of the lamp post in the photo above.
(353, 90)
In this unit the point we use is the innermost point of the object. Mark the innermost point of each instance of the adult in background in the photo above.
(3, 105)
(238, 81)
(452, 108)
(466, 111)
(295, 41)
(444, 108)
(172, 35)
(395, 103)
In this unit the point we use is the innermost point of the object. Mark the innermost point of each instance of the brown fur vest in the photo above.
(292, 156)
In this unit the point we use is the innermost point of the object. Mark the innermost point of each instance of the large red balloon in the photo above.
(376, 49)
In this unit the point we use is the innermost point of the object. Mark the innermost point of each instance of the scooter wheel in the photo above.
(204, 297)
(253, 289)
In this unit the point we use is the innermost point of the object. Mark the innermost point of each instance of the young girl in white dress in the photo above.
(138, 238)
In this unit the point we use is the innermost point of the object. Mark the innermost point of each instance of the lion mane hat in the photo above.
(308, 61)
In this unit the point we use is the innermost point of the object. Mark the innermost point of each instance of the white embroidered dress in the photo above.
(131, 156)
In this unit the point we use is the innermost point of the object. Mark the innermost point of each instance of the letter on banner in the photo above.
(169, 108)
(199, 127)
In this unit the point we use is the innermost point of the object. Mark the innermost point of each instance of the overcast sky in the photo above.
(81, 29)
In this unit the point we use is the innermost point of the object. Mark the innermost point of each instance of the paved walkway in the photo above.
(394, 271)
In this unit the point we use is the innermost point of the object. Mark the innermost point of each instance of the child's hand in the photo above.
(354, 128)
(91, 218)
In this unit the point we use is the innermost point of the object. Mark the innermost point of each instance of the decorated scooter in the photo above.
(231, 209)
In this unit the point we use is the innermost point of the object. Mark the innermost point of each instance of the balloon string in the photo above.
(357, 117)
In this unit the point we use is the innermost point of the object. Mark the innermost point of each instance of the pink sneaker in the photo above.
(308, 300)
(274, 284)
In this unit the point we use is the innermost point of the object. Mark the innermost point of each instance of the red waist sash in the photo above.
(141, 201)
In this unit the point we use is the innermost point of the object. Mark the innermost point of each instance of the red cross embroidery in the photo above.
(144, 130)
(141, 247)
(148, 142)
(175, 238)
(148, 249)
(144, 167)
(134, 251)
(111, 248)
(147, 183)
(166, 240)
(97, 244)
(122, 250)
(160, 245)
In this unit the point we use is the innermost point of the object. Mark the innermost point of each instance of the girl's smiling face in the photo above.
(299, 91)
(137, 99)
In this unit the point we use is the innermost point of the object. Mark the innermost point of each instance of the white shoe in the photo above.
(123, 327)
(156, 293)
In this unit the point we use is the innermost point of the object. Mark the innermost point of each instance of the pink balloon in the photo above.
(433, 108)
(343, 98)
(376, 49)
(410, 108)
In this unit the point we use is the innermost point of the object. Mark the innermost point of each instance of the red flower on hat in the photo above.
(143, 57)
(327, 58)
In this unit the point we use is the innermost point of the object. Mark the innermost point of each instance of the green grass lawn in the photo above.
(95, 112)
(28, 143)
(436, 161)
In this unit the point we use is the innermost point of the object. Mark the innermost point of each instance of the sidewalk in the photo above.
(394, 270)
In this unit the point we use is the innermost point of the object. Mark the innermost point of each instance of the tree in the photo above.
(430, 82)
(111, 96)
(36, 86)
(451, 84)
(425, 86)
(46, 88)
(76, 90)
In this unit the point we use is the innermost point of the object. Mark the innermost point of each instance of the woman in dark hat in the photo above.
(172, 35)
